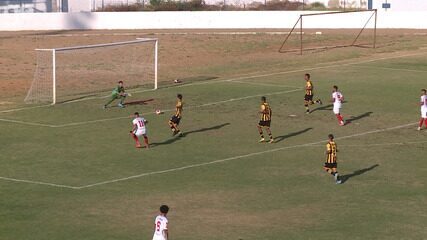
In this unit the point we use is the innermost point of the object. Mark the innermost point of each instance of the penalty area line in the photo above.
(241, 156)
(37, 183)
(189, 107)
(201, 164)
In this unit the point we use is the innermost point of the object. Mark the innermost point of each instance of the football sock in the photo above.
(425, 122)
(136, 139)
(339, 117)
(421, 122)
(271, 135)
(146, 141)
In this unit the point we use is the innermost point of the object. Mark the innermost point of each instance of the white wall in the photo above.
(197, 20)
(401, 5)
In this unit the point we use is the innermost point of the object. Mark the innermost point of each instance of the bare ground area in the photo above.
(196, 55)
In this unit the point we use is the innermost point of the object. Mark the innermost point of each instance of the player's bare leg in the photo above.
(334, 173)
(174, 128)
(307, 109)
(147, 145)
(270, 135)
(421, 123)
(137, 143)
(340, 119)
(261, 133)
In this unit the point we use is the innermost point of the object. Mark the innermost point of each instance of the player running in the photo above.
(308, 98)
(139, 129)
(118, 93)
(161, 224)
(331, 159)
(423, 104)
(176, 118)
(265, 120)
(337, 99)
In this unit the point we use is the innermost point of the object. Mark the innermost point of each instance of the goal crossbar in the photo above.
(138, 40)
(353, 44)
(53, 67)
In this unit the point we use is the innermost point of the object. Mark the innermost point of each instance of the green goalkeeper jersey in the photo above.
(117, 90)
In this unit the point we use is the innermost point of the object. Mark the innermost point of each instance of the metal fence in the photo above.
(100, 5)
(28, 6)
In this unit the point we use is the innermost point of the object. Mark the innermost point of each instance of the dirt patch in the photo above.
(190, 53)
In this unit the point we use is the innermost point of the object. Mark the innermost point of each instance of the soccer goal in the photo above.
(79, 72)
(316, 31)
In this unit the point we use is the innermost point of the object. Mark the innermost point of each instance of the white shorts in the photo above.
(337, 108)
(155, 237)
(424, 112)
(140, 132)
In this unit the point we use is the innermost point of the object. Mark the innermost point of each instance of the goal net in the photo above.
(319, 31)
(71, 73)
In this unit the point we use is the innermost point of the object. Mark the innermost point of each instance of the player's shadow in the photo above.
(185, 134)
(283, 137)
(355, 118)
(345, 178)
(323, 108)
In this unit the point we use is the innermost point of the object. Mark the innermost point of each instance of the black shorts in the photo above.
(265, 123)
(175, 119)
(308, 98)
(330, 165)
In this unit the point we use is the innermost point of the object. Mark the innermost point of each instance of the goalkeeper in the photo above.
(118, 93)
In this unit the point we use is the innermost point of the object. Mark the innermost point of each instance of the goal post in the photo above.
(308, 33)
(70, 73)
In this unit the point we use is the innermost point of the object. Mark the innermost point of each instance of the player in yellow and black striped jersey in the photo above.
(331, 158)
(308, 98)
(176, 118)
(265, 120)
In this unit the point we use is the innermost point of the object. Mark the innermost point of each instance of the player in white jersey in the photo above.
(423, 104)
(337, 99)
(161, 224)
(139, 129)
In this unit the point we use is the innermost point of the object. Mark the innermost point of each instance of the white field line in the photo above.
(263, 84)
(204, 164)
(189, 107)
(241, 156)
(255, 75)
(27, 123)
(377, 144)
(38, 183)
(335, 64)
(148, 113)
(106, 96)
(394, 69)
(24, 108)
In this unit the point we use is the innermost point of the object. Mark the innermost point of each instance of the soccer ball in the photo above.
(158, 112)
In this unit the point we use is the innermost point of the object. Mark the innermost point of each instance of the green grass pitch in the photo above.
(71, 171)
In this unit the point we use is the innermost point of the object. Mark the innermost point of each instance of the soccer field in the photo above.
(71, 171)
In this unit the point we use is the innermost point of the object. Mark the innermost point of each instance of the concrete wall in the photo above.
(200, 20)
(401, 5)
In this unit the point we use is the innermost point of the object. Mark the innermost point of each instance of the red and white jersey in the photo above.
(160, 225)
(423, 102)
(140, 123)
(338, 97)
